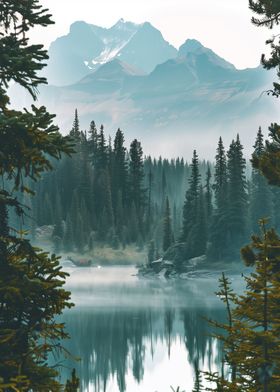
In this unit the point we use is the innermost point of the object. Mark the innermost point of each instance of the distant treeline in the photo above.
(106, 194)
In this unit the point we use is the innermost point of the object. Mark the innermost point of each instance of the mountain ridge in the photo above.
(179, 105)
(71, 57)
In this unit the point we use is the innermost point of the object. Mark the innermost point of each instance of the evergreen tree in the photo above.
(208, 194)
(75, 131)
(219, 226)
(167, 228)
(31, 281)
(107, 217)
(163, 188)
(93, 138)
(261, 196)
(237, 195)
(120, 170)
(151, 252)
(191, 205)
(68, 239)
(136, 175)
(252, 337)
(101, 152)
(268, 15)
(198, 237)
(150, 185)
(4, 226)
(137, 192)
(276, 207)
(133, 225)
(58, 228)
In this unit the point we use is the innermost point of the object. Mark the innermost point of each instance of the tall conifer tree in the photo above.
(237, 195)
(219, 228)
(261, 196)
(167, 227)
(31, 281)
(191, 209)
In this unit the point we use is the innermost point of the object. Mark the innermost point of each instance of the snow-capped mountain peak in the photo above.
(87, 47)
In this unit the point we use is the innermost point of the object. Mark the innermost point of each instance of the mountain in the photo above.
(86, 47)
(192, 46)
(173, 101)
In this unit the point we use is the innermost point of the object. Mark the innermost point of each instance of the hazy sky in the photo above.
(222, 25)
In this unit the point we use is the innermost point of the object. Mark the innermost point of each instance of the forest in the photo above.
(106, 194)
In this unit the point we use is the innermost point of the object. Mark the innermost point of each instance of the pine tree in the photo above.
(276, 207)
(31, 281)
(133, 224)
(151, 252)
(198, 237)
(191, 205)
(136, 175)
(58, 228)
(75, 131)
(150, 188)
(208, 194)
(252, 336)
(167, 228)
(68, 239)
(237, 195)
(137, 192)
(219, 228)
(101, 152)
(261, 196)
(120, 170)
(4, 228)
(93, 138)
(268, 15)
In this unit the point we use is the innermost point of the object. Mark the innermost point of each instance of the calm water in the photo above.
(137, 335)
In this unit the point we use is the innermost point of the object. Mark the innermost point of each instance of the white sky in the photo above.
(222, 25)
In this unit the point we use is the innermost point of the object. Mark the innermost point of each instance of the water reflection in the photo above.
(145, 347)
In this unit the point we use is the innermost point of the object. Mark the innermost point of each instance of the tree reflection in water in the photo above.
(113, 342)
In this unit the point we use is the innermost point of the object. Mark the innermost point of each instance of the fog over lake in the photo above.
(140, 335)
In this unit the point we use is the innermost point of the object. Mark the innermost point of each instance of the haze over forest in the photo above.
(128, 76)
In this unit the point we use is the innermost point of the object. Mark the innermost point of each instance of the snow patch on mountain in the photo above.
(110, 52)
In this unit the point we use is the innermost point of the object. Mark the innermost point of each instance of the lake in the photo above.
(139, 335)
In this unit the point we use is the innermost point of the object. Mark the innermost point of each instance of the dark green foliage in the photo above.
(208, 194)
(136, 175)
(268, 14)
(31, 281)
(229, 224)
(167, 228)
(276, 207)
(200, 232)
(269, 161)
(190, 210)
(124, 201)
(219, 228)
(252, 333)
(261, 195)
(120, 170)
(151, 252)
(237, 195)
(75, 131)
